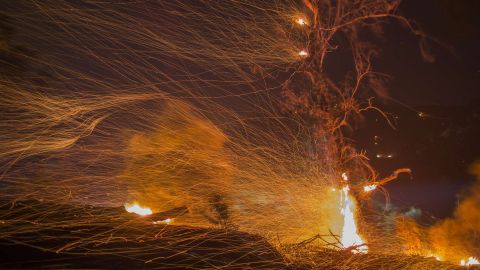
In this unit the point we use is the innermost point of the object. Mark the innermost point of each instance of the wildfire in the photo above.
(137, 209)
(350, 236)
(470, 261)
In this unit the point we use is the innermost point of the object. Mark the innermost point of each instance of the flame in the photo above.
(303, 53)
(431, 255)
(165, 221)
(470, 261)
(137, 209)
(301, 21)
(350, 236)
(369, 188)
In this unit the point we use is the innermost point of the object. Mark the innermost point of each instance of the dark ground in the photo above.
(105, 245)
(52, 243)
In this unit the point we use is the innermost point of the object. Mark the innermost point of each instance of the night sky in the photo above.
(454, 75)
(436, 103)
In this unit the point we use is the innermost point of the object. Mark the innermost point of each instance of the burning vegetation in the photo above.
(203, 121)
(453, 239)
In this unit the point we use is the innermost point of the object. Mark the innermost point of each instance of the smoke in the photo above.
(452, 239)
(187, 161)
(182, 163)
(458, 237)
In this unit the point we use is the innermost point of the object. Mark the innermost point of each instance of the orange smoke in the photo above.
(455, 239)
(180, 163)
(458, 238)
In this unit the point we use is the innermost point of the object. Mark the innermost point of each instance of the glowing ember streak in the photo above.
(303, 53)
(301, 21)
(369, 188)
(165, 221)
(137, 209)
(469, 262)
(350, 237)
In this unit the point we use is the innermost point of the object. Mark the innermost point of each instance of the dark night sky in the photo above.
(440, 147)
(454, 77)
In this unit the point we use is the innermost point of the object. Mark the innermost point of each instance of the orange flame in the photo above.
(165, 221)
(137, 209)
(303, 53)
(301, 21)
(369, 188)
(350, 236)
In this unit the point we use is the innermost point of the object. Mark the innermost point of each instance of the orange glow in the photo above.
(137, 209)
